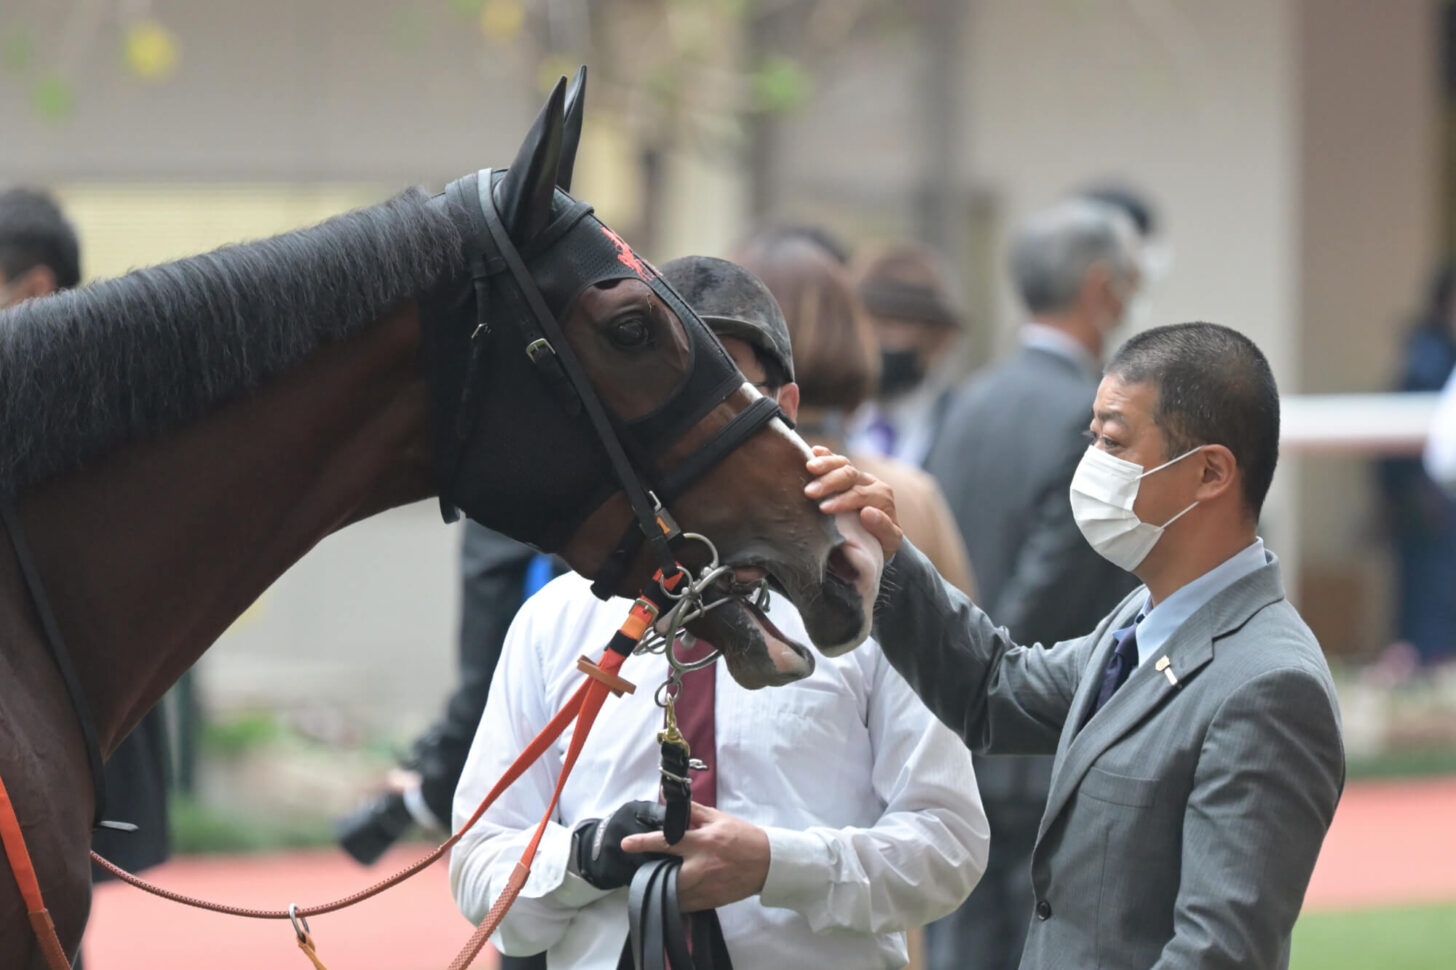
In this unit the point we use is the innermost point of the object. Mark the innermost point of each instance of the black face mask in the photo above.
(900, 370)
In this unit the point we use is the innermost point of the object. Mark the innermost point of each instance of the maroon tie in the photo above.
(695, 720)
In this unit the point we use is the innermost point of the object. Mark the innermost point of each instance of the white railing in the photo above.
(1355, 424)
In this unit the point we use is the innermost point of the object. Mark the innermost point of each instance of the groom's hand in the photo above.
(601, 857)
(725, 859)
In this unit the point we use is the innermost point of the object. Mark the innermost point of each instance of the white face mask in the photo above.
(1104, 488)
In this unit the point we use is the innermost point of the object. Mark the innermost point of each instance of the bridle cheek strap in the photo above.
(672, 483)
(658, 529)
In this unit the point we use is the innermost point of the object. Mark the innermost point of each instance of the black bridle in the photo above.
(592, 254)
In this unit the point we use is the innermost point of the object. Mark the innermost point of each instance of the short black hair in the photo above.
(34, 232)
(774, 374)
(1214, 388)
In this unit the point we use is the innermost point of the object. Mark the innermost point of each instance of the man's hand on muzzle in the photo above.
(840, 487)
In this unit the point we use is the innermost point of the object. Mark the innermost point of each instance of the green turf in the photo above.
(1404, 938)
(1408, 762)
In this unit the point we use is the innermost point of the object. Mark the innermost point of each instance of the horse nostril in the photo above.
(840, 566)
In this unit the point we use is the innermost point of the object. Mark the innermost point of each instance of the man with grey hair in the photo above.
(1012, 437)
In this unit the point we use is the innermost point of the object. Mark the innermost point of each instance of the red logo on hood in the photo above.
(627, 258)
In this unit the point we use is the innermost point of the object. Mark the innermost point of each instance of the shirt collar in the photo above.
(1162, 621)
(1057, 342)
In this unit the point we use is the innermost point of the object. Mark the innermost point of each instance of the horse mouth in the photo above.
(758, 654)
(833, 598)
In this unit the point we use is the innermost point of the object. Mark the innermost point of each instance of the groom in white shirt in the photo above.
(845, 813)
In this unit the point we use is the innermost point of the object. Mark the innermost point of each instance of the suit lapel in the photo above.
(1188, 650)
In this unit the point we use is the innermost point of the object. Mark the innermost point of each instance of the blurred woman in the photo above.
(836, 364)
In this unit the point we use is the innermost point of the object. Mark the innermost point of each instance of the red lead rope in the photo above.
(583, 706)
(588, 701)
(20, 867)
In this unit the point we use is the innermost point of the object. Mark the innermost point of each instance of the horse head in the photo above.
(556, 313)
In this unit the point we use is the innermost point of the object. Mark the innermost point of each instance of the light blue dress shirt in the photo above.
(1160, 622)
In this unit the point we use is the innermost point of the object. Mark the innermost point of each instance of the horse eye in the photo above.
(631, 333)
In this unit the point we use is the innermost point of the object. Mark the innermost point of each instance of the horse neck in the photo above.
(149, 555)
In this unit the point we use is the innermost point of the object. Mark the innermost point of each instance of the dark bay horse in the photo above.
(174, 439)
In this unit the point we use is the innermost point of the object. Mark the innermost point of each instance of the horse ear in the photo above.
(525, 192)
(571, 130)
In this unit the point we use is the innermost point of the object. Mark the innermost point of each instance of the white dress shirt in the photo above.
(874, 822)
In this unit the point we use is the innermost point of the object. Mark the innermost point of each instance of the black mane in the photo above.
(84, 371)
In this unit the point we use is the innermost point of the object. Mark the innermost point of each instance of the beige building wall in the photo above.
(1369, 224)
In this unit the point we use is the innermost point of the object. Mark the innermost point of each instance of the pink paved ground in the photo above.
(414, 926)
(1391, 843)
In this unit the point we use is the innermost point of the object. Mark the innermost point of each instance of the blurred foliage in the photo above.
(17, 50)
(674, 73)
(53, 98)
(200, 828)
(1406, 762)
(240, 734)
(688, 74)
(150, 50)
(1400, 938)
(501, 20)
(780, 84)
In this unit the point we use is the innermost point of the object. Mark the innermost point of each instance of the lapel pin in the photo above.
(1166, 666)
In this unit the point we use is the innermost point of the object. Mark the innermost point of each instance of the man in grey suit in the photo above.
(1011, 439)
(1196, 732)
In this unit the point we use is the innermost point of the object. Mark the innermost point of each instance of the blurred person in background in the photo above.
(1154, 250)
(836, 366)
(1012, 438)
(831, 815)
(918, 328)
(40, 255)
(1419, 513)
(497, 575)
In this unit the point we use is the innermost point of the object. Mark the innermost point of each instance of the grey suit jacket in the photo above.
(1184, 819)
(1011, 439)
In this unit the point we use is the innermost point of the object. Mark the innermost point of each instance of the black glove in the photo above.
(599, 856)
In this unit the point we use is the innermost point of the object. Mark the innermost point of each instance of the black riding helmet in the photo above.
(733, 303)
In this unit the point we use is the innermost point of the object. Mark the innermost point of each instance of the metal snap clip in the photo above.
(300, 924)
